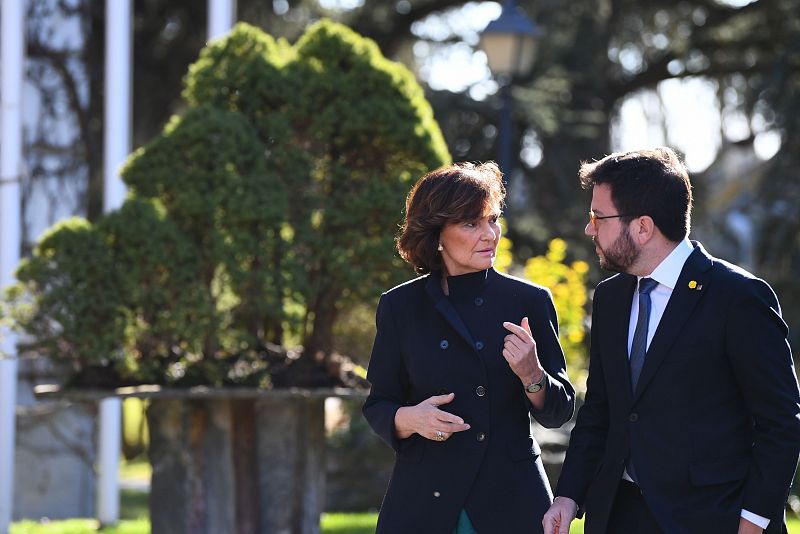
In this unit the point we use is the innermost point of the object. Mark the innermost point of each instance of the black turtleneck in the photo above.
(468, 284)
(468, 294)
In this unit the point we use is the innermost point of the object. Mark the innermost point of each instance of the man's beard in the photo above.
(620, 255)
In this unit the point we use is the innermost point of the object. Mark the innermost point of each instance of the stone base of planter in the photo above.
(233, 461)
(54, 450)
(257, 464)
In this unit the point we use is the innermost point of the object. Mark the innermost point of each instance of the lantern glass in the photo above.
(509, 54)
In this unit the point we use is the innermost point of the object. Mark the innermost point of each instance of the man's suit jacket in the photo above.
(425, 347)
(713, 426)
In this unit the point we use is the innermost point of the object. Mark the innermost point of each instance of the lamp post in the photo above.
(509, 43)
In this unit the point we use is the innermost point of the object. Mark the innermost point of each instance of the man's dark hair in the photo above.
(646, 182)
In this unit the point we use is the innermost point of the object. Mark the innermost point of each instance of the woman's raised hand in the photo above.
(427, 420)
(519, 350)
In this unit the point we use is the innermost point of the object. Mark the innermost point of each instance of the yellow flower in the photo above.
(692, 284)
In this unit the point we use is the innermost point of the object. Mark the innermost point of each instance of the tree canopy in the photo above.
(594, 56)
(252, 219)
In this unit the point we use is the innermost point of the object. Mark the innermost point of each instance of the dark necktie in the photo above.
(639, 345)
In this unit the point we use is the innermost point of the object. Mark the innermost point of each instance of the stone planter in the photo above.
(234, 460)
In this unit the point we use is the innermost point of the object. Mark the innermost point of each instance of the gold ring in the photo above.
(439, 435)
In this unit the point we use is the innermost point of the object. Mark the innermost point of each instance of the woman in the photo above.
(462, 358)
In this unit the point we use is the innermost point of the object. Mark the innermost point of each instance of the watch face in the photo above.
(533, 388)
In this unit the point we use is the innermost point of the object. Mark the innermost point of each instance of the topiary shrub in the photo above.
(257, 215)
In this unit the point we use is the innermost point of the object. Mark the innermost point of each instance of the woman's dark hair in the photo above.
(646, 182)
(457, 193)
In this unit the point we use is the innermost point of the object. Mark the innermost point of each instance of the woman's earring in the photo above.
(441, 248)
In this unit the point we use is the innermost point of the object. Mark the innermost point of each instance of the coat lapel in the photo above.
(445, 307)
(679, 308)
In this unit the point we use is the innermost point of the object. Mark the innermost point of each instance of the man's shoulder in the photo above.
(731, 272)
(723, 270)
(740, 284)
(735, 284)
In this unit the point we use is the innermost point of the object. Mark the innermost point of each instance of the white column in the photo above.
(221, 15)
(117, 146)
(12, 28)
(117, 142)
(108, 450)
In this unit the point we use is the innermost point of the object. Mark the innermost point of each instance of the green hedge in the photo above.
(258, 214)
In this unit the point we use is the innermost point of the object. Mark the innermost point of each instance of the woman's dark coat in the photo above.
(430, 344)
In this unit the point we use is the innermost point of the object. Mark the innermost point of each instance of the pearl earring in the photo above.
(441, 248)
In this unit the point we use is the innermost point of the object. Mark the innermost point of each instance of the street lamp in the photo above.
(509, 43)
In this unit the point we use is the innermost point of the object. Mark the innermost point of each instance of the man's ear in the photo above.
(643, 229)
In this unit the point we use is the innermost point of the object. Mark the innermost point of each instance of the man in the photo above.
(691, 422)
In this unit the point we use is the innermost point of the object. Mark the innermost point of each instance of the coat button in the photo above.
(481, 436)
(480, 391)
(478, 301)
(443, 344)
(633, 417)
(479, 345)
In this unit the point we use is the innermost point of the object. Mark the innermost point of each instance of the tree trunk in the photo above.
(320, 339)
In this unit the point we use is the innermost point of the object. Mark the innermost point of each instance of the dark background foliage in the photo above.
(595, 54)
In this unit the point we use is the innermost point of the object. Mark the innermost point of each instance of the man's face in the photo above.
(612, 238)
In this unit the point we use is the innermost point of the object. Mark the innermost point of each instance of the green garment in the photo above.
(464, 525)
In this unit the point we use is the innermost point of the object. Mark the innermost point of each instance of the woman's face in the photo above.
(471, 246)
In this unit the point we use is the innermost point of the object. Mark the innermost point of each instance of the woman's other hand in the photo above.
(427, 420)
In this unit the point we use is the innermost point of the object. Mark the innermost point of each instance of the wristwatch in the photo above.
(536, 386)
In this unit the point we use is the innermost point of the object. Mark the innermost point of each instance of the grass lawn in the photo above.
(80, 526)
(331, 524)
(135, 521)
(138, 470)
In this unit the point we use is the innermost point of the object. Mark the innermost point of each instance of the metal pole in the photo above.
(117, 146)
(12, 27)
(505, 131)
(221, 15)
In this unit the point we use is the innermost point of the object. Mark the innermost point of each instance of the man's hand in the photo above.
(560, 515)
(746, 527)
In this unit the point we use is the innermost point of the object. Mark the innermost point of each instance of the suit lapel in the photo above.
(445, 307)
(679, 308)
(621, 314)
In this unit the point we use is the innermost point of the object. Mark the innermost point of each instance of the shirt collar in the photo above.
(670, 268)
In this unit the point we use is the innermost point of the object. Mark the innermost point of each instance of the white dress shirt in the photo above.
(666, 274)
